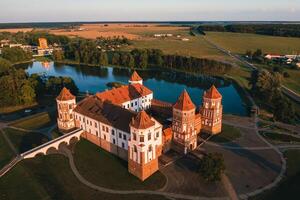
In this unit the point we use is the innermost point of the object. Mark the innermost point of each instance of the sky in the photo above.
(148, 10)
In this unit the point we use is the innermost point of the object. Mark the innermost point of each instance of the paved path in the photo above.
(112, 191)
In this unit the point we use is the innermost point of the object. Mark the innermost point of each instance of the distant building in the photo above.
(116, 120)
(273, 56)
(43, 44)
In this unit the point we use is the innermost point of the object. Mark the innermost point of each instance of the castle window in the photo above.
(142, 138)
(87, 121)
(120, 135)
(70, 106)
(131, 104)
(150, 148)
(134, 136)
(114, 141)
(71, 116)
(136, 103)
(104, 137)
(107, 129)
(134, 148)
(157, 134)
(113, 132)
(79, 118)
(97, 133)
(91, 123)
(124, 137)
(103, 128)
(123, 145)
(95, 125)
(149, 136)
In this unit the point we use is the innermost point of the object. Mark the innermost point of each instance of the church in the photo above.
(120, 121)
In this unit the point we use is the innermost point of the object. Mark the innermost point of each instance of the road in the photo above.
(288, 92)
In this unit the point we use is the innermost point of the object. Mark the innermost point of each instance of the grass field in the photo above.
(35, 122)
(105, 169)
(196, 47)
(228, 134)
(50, 177)
(289, 187)
(276, 137)
(6, 154)
(241, 42)
(24, 141)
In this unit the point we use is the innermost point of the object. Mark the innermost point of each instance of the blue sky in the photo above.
(155, 10)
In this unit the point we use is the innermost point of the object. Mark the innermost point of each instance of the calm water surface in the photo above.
(166, 85)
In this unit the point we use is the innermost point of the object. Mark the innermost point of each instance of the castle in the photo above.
(116, 120)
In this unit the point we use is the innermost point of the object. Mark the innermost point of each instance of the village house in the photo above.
(117, 121)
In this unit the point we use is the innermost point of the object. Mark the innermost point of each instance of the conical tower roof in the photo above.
(142, 121)
(135, 77)
(184, 102)
(65, 95)
(212, 93)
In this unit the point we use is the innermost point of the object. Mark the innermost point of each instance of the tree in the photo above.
(212, 166)
(5, 66)
(58, 55)
(283, 109)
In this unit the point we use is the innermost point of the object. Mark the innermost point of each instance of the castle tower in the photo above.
(135, 78)
(43, 44)
(211, 111)
(183, 124)
(144, 146)
(66, 102)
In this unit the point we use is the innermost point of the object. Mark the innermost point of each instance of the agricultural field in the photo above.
(241, 42)
(35, 122)
(130, 31)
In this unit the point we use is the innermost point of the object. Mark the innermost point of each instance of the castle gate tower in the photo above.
(183, 124)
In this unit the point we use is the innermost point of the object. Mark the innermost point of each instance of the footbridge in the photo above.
(53, 144)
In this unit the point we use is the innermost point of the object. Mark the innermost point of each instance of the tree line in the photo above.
(284, 30)
(15, 54)
(86, 52)
(266, 85)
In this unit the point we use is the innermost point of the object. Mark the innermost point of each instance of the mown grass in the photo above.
(228, 134)
(289, 186)
(6, 154)
(35, 122)
(241, 42)
(24, 141)
(276, 137)
(104, 169)
(196, 47)
(50, 177)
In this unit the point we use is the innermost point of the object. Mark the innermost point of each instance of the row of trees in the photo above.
(285, 30)
(266, 85)
(143, 58)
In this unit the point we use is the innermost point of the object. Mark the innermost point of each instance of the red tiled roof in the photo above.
(184, 102)
(135, 77)
(142, 121)
(105, 112)
(212, 93)
(124, 93)
(65, 95)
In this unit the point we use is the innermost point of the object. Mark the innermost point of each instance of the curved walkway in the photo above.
(124, 192)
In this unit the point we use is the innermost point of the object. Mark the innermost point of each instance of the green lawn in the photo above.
(24, 141)
(196, 47)
(50, 177)
(289, 187)
(228, 134)
(35, 122)
(276, 137)
(56, 133)
(105, 169)
(241, 42)
(6, 154)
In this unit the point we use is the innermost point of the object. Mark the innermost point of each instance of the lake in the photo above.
(166, 85)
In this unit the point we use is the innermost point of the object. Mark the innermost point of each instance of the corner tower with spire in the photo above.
(144, 146)
(183, 123)
(211, 111)
(66, 102)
